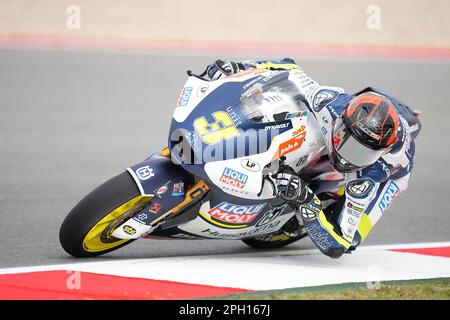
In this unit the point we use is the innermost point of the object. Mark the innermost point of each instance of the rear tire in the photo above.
(292, 231)
(259, 243)
(94, 208)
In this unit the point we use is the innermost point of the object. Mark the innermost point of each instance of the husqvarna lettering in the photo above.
(234, 178)
(145, 173)
(222, 129)
(255, 231)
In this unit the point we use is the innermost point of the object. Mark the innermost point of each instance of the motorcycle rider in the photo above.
(370, 140)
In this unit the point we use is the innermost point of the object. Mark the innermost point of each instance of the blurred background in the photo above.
(411, 23)
(87, 88)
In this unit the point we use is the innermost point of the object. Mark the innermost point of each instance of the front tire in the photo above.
(87, 229)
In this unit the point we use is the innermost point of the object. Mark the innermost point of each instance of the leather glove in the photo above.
(221, 68)
(291, 188)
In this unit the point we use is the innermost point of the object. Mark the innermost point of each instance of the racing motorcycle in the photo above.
(214, 180)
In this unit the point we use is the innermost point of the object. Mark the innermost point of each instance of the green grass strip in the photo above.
(423, 289)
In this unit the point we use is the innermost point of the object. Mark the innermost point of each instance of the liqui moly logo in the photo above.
(234, 178)
(388, 196)
(235, 214)
(185, 95)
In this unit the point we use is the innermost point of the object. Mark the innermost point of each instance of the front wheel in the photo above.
(87, 229)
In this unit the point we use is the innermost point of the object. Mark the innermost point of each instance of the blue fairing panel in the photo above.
(157, 172)
(183, 136)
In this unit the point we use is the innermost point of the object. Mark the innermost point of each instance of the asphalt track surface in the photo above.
(69, 120)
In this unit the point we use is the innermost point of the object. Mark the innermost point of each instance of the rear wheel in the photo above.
(272, 241)
(87, 229)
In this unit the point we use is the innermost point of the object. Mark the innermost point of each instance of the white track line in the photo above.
(274, 269)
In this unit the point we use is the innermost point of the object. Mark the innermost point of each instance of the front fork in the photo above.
(165, 206)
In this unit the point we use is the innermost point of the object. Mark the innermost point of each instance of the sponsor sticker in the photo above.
(161, 190)
(202, 90)
(145, 173)
(277, 126)
(360, 188)
(234, 178)
(308, 214)
(178, 189)
(291, 144)
(368, 131)
(233, 116)
(235, 214)
(352, 221)
(353, 207)
(302, 161)
(388, 196)
(337, 138)
(296, 115)
(184, 96)
(322, 98)
(129, 230)
(155, 208)
(141, 217)
(385, 167)
(250, 165)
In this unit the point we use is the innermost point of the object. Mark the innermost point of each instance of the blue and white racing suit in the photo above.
(365, 195)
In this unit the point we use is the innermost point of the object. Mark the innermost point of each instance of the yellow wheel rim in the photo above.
(93, 240)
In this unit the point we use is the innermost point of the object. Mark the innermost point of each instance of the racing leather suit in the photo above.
(366, 194)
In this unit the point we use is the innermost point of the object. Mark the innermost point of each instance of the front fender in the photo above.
(158, 171)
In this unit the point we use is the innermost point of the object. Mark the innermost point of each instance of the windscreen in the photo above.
(271, 99)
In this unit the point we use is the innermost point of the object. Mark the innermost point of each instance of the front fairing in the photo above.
(219, 115)
(212, 138)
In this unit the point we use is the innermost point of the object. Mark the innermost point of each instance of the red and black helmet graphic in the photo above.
(372, 120)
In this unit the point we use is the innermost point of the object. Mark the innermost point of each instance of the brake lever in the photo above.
(267, 171)
(199, 76)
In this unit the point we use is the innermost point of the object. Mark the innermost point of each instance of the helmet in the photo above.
(365, 130)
